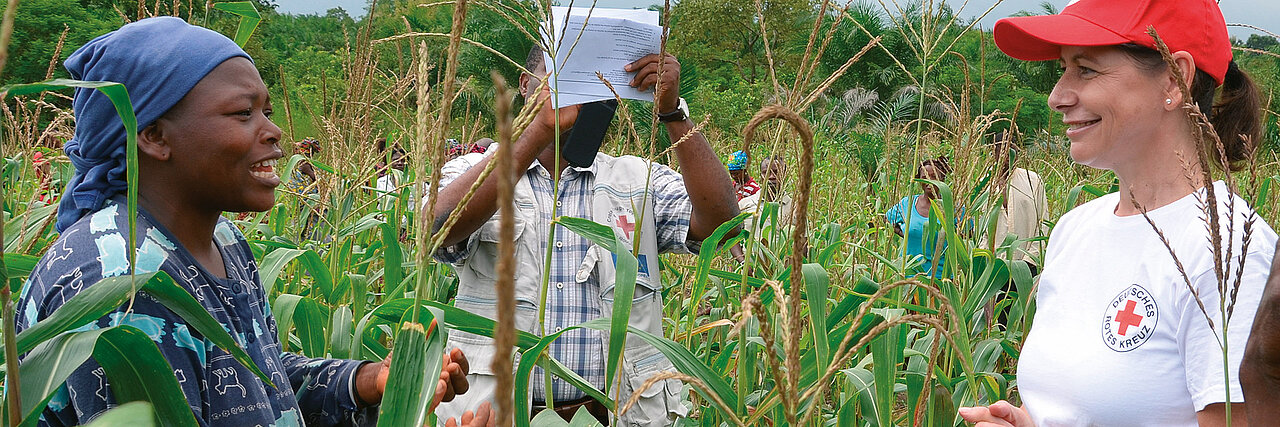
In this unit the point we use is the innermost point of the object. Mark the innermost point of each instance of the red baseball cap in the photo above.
(1194, 26)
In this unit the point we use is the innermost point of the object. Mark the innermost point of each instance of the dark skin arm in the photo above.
(536, 139)
(711, 190)
(1260, 369)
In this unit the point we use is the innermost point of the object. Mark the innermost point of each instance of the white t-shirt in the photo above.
(1118, 339)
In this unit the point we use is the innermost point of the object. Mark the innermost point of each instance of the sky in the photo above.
(1260, 13)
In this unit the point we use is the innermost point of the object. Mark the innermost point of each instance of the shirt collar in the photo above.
(538, 165)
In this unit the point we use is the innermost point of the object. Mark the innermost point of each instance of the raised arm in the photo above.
(710, 188)
(535, 139)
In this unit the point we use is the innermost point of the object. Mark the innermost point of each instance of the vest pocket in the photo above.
(489, 232)
(646, 307)
(658, 405)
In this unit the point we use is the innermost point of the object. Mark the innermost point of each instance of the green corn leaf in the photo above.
(685, 361)
(136, 369)
(1264, 192)
(1073, 196)
(22, 231)
(18, 265)
(624, 286)
(810, 369)
(710, 247)
(309, 319)
(886, 351)
(4, 280)
(105, 296)
(596, 233)
(623, 294)
(419, 354)
(119, 97)
(392, 256)
(132, 414)
(995, 274)
(548, 419)
(340, 333)
(249, 18)
(942, 410)
(392, 311)
(862, 383)
(736, 277)
(275, 262)
(816, 284)
(524, 370)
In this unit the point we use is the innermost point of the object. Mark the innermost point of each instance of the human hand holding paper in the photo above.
(605, 41)
(666, 93)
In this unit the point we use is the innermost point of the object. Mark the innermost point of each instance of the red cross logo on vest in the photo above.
(626, 224)
(1129, 319)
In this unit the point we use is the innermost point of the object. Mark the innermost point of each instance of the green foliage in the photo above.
(37, 28)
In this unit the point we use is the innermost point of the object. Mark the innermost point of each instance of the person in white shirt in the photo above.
(1023, 208)
(1124, 333)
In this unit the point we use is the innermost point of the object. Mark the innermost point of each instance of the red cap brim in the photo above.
(1040, 38)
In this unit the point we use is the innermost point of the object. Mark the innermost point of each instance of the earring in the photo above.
(1168, 101)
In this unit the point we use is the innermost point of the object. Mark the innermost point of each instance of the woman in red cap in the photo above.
(1120, 338)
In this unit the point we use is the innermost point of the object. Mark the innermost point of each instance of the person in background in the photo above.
(303, 181)
(454, 149)
(45, 192)
(206, 145)
(1023, 207)
(912, 218)
(737, 165)
(1124, 333)
(481, 145)
(391, 167)
(773, 169)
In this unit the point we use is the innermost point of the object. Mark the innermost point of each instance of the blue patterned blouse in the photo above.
(221, 392)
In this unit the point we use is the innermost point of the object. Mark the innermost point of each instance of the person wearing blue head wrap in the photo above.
(206, 145)
(737, 166)
(158, 60)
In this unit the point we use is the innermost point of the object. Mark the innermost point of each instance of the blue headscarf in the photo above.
(737, 161)
(158, 60)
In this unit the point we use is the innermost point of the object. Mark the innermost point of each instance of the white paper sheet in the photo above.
(610, 39)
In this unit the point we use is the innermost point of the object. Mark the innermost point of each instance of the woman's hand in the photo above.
(999, 414)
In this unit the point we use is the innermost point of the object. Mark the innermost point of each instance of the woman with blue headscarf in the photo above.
(206, 145)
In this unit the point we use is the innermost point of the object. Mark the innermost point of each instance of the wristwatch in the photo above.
(680, 114)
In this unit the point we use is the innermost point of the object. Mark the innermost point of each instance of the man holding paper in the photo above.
(665, 210)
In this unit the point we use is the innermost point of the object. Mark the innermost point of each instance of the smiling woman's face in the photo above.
(223, 143)
(1112, 107)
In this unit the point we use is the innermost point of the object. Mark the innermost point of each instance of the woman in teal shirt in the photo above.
(911, 215)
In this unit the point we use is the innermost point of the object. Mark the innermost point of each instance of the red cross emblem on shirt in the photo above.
(1128, 318)
(626, 225)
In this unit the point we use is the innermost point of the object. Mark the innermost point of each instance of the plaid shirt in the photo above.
(570, 302)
